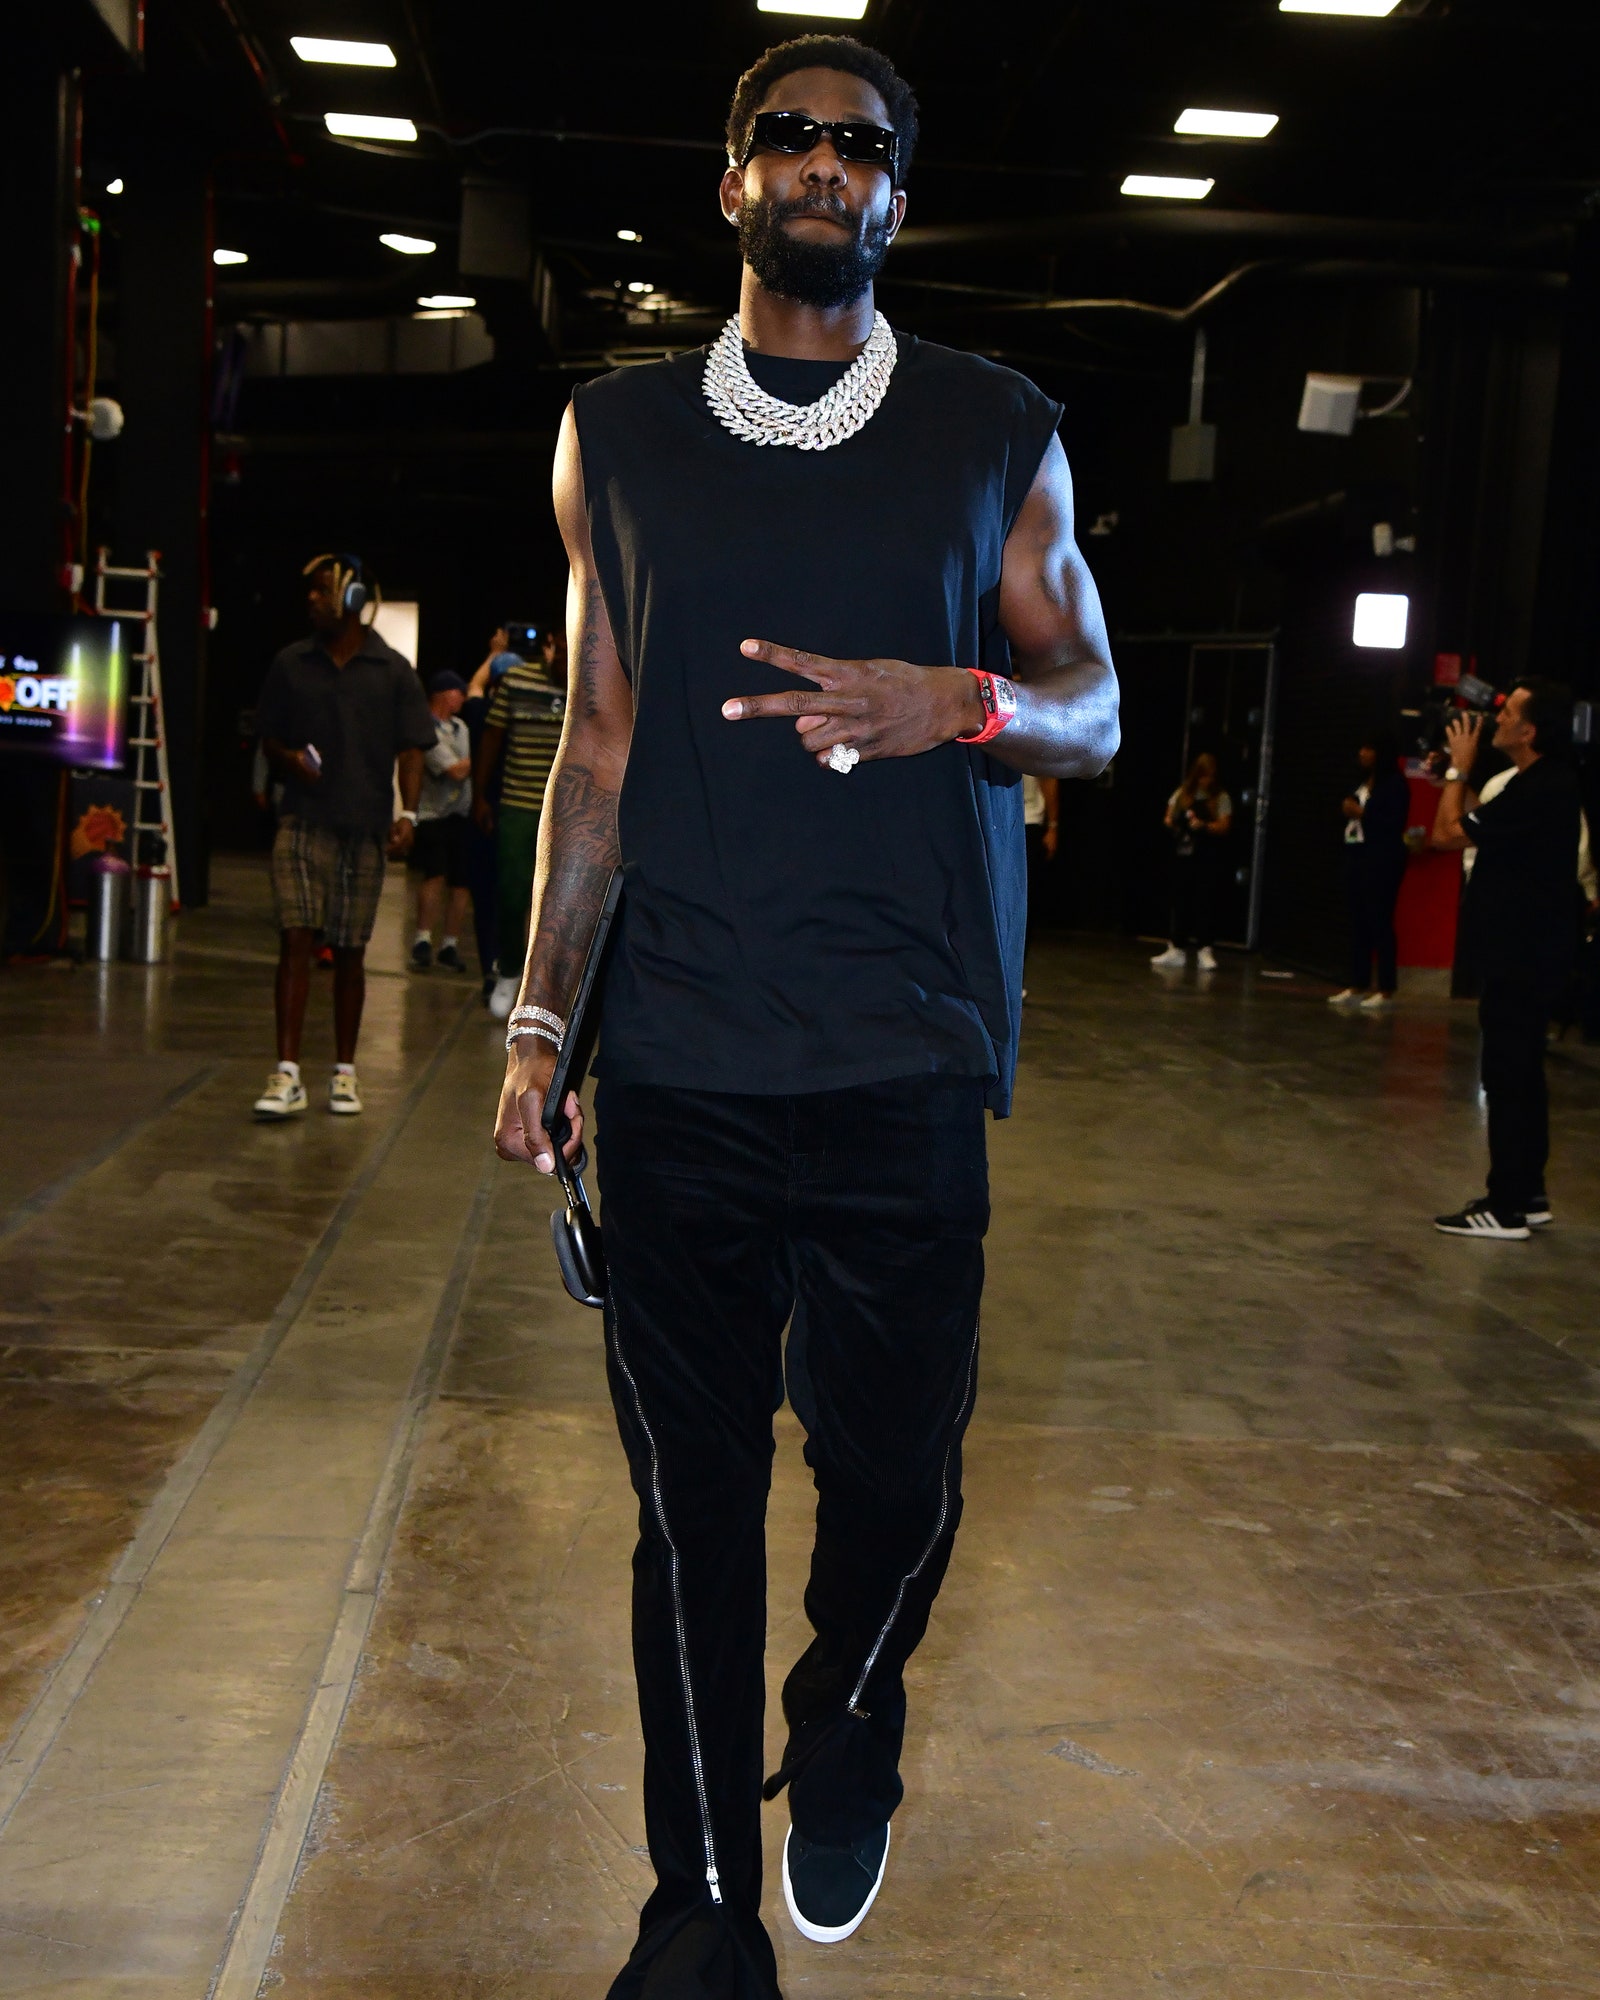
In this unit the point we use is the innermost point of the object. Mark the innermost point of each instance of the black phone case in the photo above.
(580, 1253)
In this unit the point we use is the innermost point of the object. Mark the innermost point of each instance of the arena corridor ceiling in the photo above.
(1451, 135)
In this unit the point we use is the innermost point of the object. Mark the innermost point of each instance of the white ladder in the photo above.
(152, 783)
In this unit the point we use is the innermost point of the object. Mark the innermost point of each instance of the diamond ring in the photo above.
(843, 757)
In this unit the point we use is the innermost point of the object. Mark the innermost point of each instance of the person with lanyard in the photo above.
(342, 718)
(825, 607)
(1519, 933)
(1375, 856)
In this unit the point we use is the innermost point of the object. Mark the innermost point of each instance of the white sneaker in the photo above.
(1206, 959)
(503, 998)
(1172, 957)
(284, 1097)
(1348, 997)
(1374, 1003)
(343, 1095)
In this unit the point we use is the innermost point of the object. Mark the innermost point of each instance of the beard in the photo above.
(812, 274)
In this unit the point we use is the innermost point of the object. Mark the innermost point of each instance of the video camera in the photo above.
(1469, 695)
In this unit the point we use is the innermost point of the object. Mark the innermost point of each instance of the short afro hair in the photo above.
(825, 52)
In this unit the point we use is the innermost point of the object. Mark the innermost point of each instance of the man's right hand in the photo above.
(519, 1132)
(482, 813)
(305, 771)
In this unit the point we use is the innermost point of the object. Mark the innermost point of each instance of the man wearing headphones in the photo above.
(336, 712)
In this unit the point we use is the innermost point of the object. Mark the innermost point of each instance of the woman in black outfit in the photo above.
(1375, 816)
(1199, 817)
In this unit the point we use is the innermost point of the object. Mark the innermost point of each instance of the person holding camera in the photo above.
(1518, 936)
(1199, 815)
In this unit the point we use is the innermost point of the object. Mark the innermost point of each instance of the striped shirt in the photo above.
(529, 710)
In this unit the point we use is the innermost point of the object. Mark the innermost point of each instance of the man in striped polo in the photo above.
(523, 725)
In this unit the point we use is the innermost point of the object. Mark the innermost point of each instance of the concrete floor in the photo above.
(1269, 1660)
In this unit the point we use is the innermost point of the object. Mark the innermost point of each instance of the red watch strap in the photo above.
(999, 699)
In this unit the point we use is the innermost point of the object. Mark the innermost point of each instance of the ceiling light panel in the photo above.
(350, 55)
(1226, 124)
(828, 10)
(1167, 187)
(1369, 10)
(362, 125)
(447, 302)
(230, 257)
(1380, 621)
(629, 236)
(408, 246)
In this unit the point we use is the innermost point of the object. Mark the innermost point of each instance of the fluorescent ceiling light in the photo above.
(639, 285)
(629, 236)
(230, 257)
(830, 10)
(1170, 185)
(453, 312)
(1380, 620)
(446, 302)
(358, 125)
(408, 246)
(1372, 10)
(1227, 124)
(114, 187)
(354, 55)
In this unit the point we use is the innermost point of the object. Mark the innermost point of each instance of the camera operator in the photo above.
(1199, 817)
(1518, 934)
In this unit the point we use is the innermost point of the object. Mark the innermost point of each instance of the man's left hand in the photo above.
(881, 708)
(401, 835)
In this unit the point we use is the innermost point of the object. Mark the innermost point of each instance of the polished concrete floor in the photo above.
(1269, 1660)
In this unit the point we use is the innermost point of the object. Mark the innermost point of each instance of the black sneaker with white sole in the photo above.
(830, 1889)
(1479, 1219)
(1538, 1213)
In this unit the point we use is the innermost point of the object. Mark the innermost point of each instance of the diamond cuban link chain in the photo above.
(743, 407)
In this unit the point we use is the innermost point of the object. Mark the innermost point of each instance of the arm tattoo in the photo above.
(586, 661)
(577, 853)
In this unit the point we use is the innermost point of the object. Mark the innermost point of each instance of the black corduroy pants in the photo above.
(861, 1214)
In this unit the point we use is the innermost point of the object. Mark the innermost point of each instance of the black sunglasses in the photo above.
(794, 132)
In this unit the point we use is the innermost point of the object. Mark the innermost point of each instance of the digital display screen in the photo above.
(64, 688)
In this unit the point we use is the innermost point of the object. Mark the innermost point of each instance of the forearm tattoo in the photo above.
(578, 848)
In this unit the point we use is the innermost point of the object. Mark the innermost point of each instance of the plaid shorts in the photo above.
(326, 880)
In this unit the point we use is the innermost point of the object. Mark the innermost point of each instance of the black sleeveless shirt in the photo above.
(785, 928)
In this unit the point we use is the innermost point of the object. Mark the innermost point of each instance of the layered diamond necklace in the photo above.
(743, 407)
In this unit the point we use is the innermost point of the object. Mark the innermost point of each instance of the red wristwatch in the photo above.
(999, 704)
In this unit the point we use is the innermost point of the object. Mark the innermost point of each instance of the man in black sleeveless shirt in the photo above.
(825, 609)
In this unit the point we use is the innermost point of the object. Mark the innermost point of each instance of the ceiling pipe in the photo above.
(1546, 242)
(1325, 271)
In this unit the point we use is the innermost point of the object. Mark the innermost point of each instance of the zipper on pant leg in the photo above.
(674, 1568)
(911, 1575)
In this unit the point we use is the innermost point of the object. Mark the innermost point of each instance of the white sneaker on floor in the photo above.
(503, 998)
(1346, 997)
(1206, 959)
(344, 1097)
(1375, 1003)
(284, 1097)
(1171, 959)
